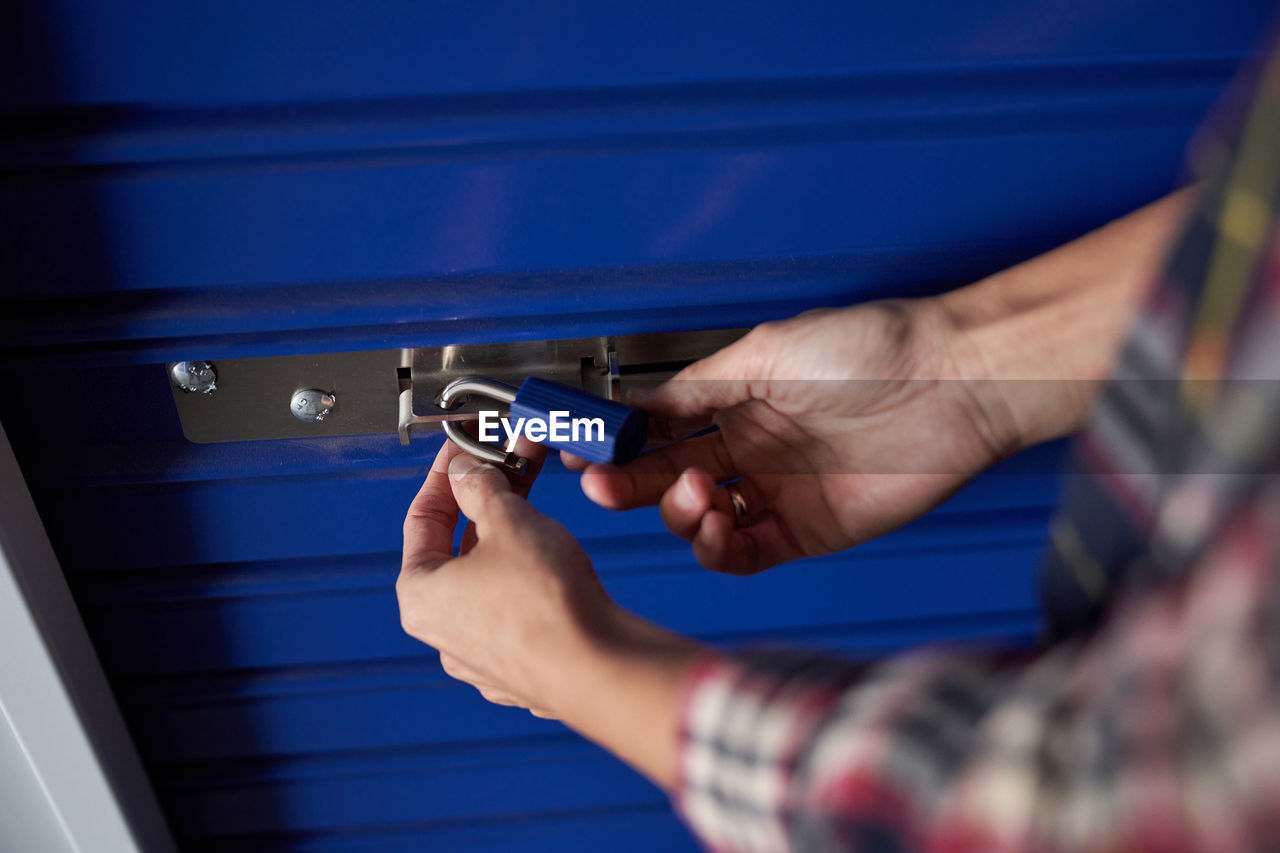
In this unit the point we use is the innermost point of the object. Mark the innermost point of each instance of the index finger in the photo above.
(432, 517)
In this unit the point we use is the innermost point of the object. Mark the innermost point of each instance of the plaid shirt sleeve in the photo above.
(1152, 719)
(1161, 731)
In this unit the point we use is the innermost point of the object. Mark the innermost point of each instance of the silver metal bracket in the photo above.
(384, 391)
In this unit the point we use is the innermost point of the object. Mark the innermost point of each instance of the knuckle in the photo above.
(766, 333)
(408, 622)
(403, 586)
(411, 616)
(762, 345)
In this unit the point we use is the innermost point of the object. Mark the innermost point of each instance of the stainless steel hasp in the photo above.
(386, 391)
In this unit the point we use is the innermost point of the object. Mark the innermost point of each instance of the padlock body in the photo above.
(595, 429)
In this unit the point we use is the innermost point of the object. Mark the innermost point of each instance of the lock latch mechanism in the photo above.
(384, 391)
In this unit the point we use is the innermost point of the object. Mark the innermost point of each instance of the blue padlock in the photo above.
(553, 414)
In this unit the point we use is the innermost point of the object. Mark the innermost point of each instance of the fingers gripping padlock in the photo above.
(595, 429)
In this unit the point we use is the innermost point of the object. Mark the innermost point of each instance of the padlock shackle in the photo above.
(453, 393)
(466, 385)
(620, 430)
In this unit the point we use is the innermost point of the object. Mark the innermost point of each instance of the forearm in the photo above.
(622, 687)
(1059, 319)
(621, 680)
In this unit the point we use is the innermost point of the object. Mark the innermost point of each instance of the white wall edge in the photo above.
(83, 787)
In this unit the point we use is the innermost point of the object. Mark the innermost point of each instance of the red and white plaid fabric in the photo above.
(1150, 718)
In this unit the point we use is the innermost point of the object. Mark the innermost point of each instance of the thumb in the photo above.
(483, 492)
(722, 379)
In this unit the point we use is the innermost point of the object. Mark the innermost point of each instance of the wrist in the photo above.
(609, 645)
(1030, 373)
(1035, 341)
(960, 359)
(622, 688)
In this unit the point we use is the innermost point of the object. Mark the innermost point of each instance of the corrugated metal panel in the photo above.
(250, 179)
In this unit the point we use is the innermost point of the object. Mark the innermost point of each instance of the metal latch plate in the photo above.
(389, 391)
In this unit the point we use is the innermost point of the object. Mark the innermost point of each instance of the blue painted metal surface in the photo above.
(251, 179)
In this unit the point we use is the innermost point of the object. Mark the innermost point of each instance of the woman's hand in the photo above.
(839, 425)
(844, 424)
(520, 599)
(521, 616)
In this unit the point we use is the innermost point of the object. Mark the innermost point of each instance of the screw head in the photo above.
(312, 405)
(194, 377)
